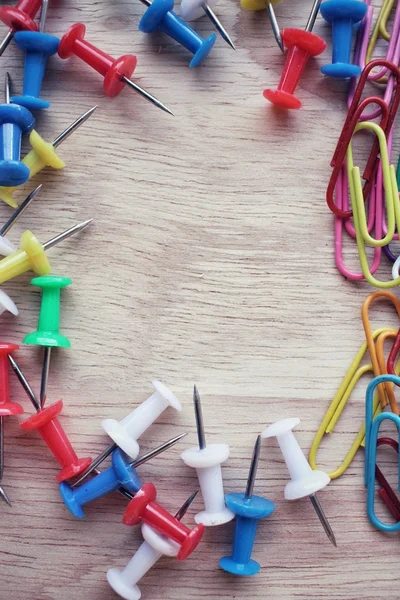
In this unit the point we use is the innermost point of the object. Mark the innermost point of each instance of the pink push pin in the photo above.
(302, 45)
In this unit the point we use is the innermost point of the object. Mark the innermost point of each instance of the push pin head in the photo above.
(144, 508)
(160, 16)
(19, 18)
(207, 461)
(343, 15)
(47, 333)
(125, 433)
(249, 509)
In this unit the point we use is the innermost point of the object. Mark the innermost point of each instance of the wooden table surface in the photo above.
(209, 261)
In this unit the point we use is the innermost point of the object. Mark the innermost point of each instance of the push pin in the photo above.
(48, 331)
(43, 155)
(125, 433)
(207, 461)
(116, 72)
(269, 5)
(50, 429)
(121, 474)
(7, 408)
(304, 481)
(160, 16)
(6, 247)
(18, 17)
(191, 10)
(143, 508)
(301, 45)
(38, 47)
(124, 582)
(249, 510)
(343, 15)
(14, 122)
(32, 254)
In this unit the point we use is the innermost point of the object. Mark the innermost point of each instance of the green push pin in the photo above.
(48, 331)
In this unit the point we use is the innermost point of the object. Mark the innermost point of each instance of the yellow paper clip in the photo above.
(392, 204)
(385, 391)
(337, 406)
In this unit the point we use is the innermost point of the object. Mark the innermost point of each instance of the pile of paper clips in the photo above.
(373, 219)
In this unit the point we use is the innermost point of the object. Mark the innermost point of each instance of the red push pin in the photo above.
(143, 508)
(7, 408)
(116, 72)
(19, 17)
(302, 45)
(52, 432)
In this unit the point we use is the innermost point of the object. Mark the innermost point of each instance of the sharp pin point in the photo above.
(73, 127)
(186, 505)
(199, 418)
(218, 25)
(253, 468)
(94, 464)
(275, 27)
(322, 517)
(8, 88)
(153, 453)
(146, 95)
(5, 497)
(7, 226)
(23, 381)
(66, 234)
(5, 43)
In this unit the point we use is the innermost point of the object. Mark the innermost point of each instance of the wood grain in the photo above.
(210, 261)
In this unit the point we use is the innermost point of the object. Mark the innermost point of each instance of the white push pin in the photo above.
(6, 247)
(191, 10)
(304, 481)
(124, 582)
(6, 304)
(125, 433)
(207, 461)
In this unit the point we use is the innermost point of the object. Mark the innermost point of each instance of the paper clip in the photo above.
(374, 215)
(393, 354)
(389, 183)
(337, 406)
(380, 32)
(371, 440)
(388, 113)
(386, 492)
(386, 394)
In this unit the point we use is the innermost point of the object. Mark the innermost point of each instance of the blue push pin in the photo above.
(160, 16)
(342, 14)
(38, 46)
(121, 474)
(14, 122)
(249, 510)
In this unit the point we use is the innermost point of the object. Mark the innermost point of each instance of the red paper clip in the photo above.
(353, 116)
(393, 355)
(386, 492)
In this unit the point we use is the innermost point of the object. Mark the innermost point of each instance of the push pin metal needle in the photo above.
(256, 5)
(43, 154)
(6, 247)
(2, 491)
(207, 461)
(191, 10)
(304, 481)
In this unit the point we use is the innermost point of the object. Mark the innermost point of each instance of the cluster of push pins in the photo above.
(38, 46)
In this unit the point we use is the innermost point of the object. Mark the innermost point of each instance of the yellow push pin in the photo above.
(32, 254)
(43, 154)
(269, 5)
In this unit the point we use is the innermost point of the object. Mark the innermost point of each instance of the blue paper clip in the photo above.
(371, 439)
